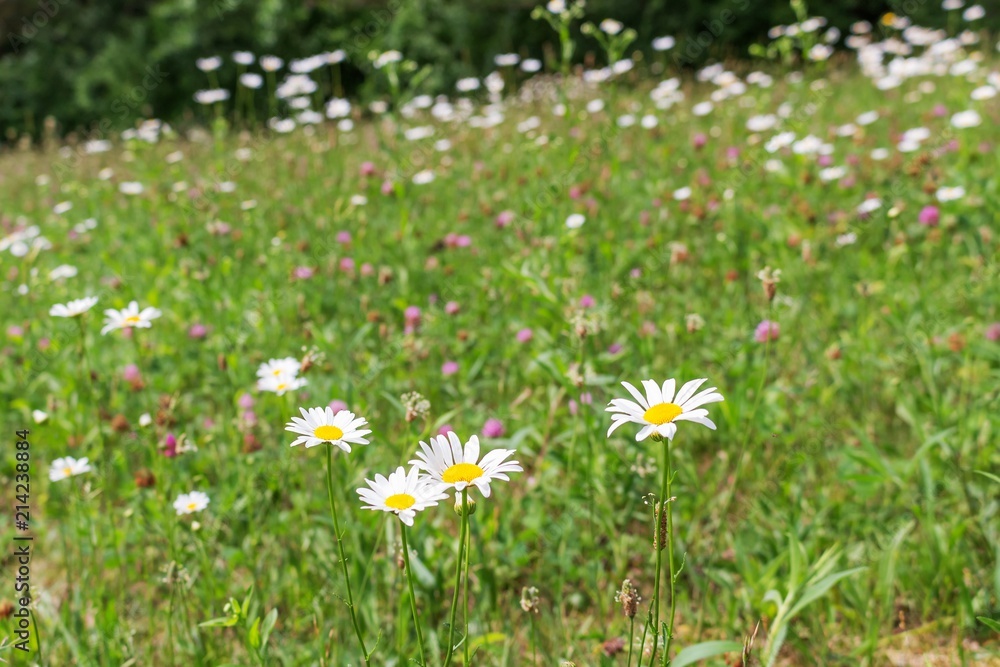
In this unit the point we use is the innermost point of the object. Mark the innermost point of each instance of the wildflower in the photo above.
(628, 598)
(416, 406)
(285, 368)
(769, 279)
(529, 600)
(74, 308)
(402, 493)
(493, 428)
(447, 462)
(320, 425)
(575, 221)
(524, 335)
(189, 503)
(129, 317)
(279, 385)
(68, 467)
(947, 194)
(660, 408)
(197, 331)
(449, 368)
(39, 416)
(993, 332)
(766, 331)
(611, 27)
(693, 322)
(929, 215)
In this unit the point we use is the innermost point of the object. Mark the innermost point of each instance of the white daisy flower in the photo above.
(403, 493)
(660, 409)
(74, 308)
(280, 385)
(279, 368)
(946, 194)
(447, 462)
(189, 503)
(68, 467)
(575, 220)
(129, 316)
(317, 426)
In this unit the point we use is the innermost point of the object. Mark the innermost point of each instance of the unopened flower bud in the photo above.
(469, 507)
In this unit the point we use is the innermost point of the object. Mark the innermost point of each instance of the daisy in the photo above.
(404, 493)
(660, 409)
(279, 368)
(320, 425)
(128, 317)
(189, 503)
(74, 308)
(279, 385)
(68, 467)
(445, 461)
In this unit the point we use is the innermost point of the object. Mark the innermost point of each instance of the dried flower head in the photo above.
(694, 322)
(529, 599)
(629, 599)
(769, 278)
(416, 406)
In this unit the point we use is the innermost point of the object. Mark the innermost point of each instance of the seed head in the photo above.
(629, 598)
(529, 599)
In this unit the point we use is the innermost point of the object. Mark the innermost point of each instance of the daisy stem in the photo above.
(413, 597)
(340, 547)
(670, 557)
(468, 557)
(664, 491)
(458, 580)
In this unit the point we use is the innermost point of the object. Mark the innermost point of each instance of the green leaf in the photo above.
(819, 588)
(989, 622)
(221, 622)
(988, 475)
(269, 621)
(255, 633)
(698, 652)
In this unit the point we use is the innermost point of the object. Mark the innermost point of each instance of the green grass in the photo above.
(851, 442)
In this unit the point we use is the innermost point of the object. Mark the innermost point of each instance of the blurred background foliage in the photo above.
(87, 61)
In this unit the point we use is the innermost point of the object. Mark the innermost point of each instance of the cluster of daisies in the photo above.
(127, 319)
(280, 375)
(444, 463)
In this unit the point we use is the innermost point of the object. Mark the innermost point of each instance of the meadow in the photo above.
(818, 241)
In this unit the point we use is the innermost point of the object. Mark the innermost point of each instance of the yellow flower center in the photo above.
(276, 372)
(192, 507)
(68, 472)
(661, 413)
(462, 472)
(328, 433)
(281, 386)
(400, 501)
(133, 319)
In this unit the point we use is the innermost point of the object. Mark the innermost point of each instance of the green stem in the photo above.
(664, 491)
(458, 581)
(670, 557)
(413, 597)
(631, 636)
(340, 547)
(468, 557)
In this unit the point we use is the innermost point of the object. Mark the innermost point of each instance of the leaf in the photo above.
(989, 622)
(819, 588)
(988, 475)
(269, 621)
(697, 652)
(255, 633)
(221, 622)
